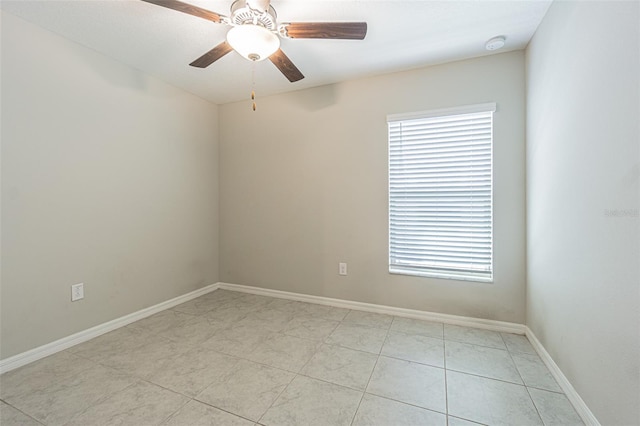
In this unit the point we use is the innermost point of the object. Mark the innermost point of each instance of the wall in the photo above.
(303, 186)
(583, 229)
(109, 177)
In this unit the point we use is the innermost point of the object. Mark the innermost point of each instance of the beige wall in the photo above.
(583, 155)
(303, 186)
(109, 177)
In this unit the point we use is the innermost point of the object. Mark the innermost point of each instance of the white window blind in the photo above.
(440, 193)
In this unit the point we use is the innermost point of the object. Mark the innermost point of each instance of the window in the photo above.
(440, 193)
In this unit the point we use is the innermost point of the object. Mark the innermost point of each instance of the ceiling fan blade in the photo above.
(213, 55)
(187, 8)
(286, 67)
(331, 30)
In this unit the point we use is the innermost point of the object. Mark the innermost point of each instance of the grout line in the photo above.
(534, 404)
(386, 336)
(175, 412)
(446, 389)
(522, 378)
(222, 409)
(467, 420)
(19, 410)
(277, 397)
(486, 377)
(389, 331)
(477, 323)
(105, 398)
(329, 382)
(407, 403)
(365, 390)
(440, 367)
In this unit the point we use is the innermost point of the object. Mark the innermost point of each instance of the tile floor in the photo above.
(230, 358)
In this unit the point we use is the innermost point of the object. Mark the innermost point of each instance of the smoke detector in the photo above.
(495, 43)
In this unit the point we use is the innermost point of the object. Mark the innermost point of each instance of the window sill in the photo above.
(423, 274)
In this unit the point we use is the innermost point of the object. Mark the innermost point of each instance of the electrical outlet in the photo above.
(77, 292)
(342, 268)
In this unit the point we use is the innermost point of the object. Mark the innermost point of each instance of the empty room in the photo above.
(325, 212)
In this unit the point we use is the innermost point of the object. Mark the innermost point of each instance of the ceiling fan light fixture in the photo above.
(253, 42)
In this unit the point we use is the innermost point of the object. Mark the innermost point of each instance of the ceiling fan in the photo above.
(255, 33)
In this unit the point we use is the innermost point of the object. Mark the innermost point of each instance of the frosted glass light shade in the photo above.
(254, 42)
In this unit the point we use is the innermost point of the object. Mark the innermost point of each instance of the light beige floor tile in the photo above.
(358, 337)
(489, 401)
(310, 327)
(341, 366)
(482, 361)
(409, 382)
(249, 300)
(41, 374)
(162, 321)
(369, 319)
(455, 421)
(196, 330)
(199, 306)
(247, 390)
(227, 313)
(139, 404)
(255, 299)
(555, 409)
(183, 350)
(518, 343)
(377, 411)
(414, 326)
(474, 336)
(198, 414)
(308, 401)
(115, 343)
(285, 352)
(534, 372)
(65, 397)
(323, 311)
(414, 347)
(9, 416)
(270, 319)
(142, 360)
(221, 295)
(191, 372)
(286, 305)
(239, 340)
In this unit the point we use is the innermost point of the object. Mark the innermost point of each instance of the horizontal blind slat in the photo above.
(440, 195)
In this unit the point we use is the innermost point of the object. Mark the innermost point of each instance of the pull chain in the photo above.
(253, 85)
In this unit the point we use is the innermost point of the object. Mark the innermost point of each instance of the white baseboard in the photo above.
(40, 352)
(506, 327)
(581, 408)
(35, 354)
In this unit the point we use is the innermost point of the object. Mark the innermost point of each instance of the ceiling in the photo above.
(401, 35)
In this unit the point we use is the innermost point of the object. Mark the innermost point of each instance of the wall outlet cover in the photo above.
(342, 268)
(77, 292)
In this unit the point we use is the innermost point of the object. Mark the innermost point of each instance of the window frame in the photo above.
(459, 275)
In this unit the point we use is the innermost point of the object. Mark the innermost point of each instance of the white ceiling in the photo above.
(401, 35)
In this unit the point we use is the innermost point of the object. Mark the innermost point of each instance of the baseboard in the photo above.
(581, 408)
(35, 354)
(501, 326)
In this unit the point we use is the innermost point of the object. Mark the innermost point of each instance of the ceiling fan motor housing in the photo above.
(261, 5)
(256, 12)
